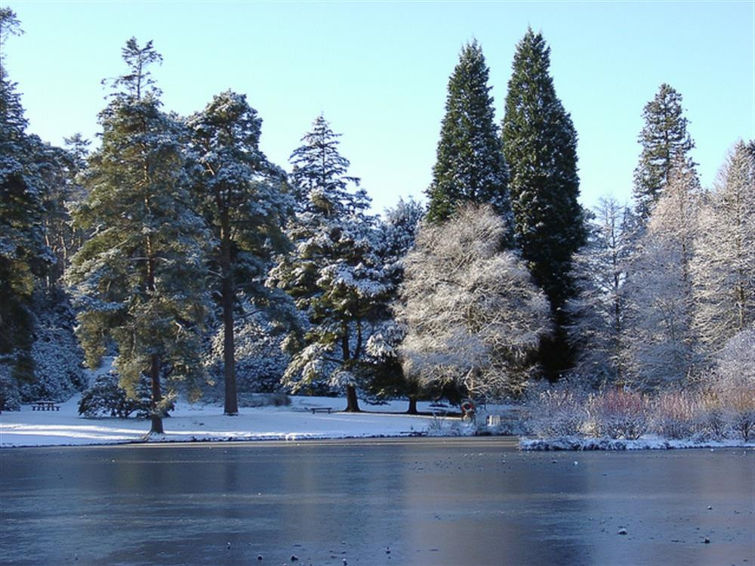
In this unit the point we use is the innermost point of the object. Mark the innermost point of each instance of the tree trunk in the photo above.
(352, 403)
(154, 371)
(412, 406)
(157, 396)
(227, 296)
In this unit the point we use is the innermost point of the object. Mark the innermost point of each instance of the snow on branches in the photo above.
(472, 312)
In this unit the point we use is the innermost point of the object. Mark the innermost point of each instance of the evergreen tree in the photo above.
(140, 277)
(540, 145)
(722, 267)
(24, 258)
(334, 273)
(470, 166)
(665, 141)
(243, 203)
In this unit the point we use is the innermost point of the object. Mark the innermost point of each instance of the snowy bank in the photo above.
(199, 422)
(643, 443)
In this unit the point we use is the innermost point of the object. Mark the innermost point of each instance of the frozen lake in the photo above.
(429, 501)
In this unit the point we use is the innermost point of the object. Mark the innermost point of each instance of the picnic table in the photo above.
(45, 406)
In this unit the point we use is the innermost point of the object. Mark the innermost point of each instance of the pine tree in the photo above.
(334, 273)
(139, 279)
(665, 141)
(540, 145)
(722, 267)
(243, 202)
(24, 258)
(469, 167)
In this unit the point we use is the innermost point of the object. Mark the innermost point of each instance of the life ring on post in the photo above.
(467, 408)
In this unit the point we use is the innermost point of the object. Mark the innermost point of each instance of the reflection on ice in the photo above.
(437, 501)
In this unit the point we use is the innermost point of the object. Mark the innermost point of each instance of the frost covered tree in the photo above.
(724, 260)
(139, 279)
(24, 257)
(469, 166)
(540, 145)
(599, 309)
(242, 199)
(665, 141)
(473, 315)
(334, 273)
(661, 341)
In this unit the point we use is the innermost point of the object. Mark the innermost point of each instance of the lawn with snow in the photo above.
(200, 422)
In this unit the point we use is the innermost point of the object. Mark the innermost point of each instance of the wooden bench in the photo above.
(320, 410)
(45, 406)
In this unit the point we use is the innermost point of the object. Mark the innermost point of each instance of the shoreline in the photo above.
(203, 424)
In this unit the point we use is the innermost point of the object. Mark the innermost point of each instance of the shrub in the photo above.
(557, 411)
(734, 382)
(740, 403)
(10, 400)
(677, 414)
(264, 400)
(107, 398)
(619, 413)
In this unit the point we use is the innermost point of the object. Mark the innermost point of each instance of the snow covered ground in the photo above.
(207, 422)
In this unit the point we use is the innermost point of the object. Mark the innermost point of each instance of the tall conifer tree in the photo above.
(470, 167)
(241, 198)
(540, 146)
(665, 142)
(140, 278)
(334, 273)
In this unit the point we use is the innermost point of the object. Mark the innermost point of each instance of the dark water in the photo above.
(433, 502)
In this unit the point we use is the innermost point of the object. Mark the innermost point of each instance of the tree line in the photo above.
(186, 255)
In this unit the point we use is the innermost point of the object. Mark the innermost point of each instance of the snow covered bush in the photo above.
(473, 315)
(619, 413)
(734, 382)
(10, 399)
(53, 362)
(58, 370)
(713, 422)
(106, 398)
(677, 414)
(557, 410)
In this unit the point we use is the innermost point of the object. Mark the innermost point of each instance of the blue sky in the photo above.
(379, 70)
